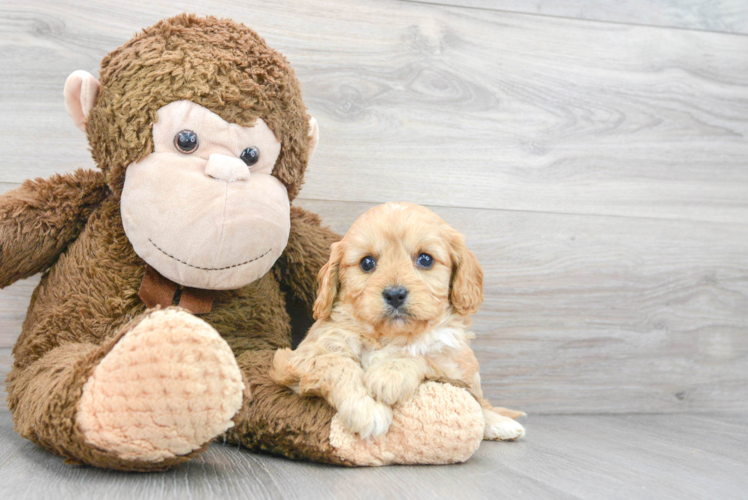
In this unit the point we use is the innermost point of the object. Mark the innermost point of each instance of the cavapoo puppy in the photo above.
(393, 310)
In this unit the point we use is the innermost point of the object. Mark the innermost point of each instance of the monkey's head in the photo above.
(200, 130)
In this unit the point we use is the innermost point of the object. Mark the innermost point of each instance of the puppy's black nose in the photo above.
(395, 295)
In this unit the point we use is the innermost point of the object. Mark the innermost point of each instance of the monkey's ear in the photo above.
(81, 91)
(313, 136)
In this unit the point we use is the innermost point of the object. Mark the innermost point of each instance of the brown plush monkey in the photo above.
(202, 138)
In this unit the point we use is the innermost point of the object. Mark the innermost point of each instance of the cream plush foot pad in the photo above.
(165, 389)
(440, 424)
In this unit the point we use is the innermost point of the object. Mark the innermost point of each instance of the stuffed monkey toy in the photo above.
(166, 272)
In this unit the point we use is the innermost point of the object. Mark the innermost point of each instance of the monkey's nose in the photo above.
(226, 168)
(395, 296)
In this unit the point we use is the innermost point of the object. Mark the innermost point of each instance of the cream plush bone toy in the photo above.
(201, 139)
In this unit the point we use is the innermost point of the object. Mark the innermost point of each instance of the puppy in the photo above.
(393, 310)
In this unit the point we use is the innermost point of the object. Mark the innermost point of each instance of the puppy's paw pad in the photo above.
(381, 418)
(503, 430)
(167, 387)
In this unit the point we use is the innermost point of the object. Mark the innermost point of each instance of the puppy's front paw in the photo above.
(500, 428)
(440, 424)
(366, 417)
(389, 385)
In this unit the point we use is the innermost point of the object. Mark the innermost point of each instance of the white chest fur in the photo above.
(433, 342)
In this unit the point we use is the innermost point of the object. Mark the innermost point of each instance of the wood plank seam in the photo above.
(570, 18)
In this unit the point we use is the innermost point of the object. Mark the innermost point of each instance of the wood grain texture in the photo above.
(444, 106)
(604, 314)
(612, 457)
(587, 314)
(7, 186)
(727, 16)
(599, 172)
(508, 125)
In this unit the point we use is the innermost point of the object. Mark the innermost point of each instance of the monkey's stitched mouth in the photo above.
(206, 268)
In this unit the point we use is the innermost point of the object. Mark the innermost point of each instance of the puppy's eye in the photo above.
(186, 141)
(425, 261)
(250, 156)
(368, 263)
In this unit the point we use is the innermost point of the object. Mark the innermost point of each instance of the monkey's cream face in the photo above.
(203, 209)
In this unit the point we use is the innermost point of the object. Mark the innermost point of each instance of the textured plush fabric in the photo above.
(216, 136)
(454, 420)
(279, 421)
(70, 228)
(40, 218)
(44, 397)
(222, 65)
(235, 225)
(171, 371)
(81, 90)
(86, 300)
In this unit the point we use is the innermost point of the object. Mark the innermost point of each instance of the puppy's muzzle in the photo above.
(395, 296)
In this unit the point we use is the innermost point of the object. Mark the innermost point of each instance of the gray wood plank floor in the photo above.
(622, 456)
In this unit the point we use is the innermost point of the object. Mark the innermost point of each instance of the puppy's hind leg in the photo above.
(501, 428)
(506, 412)
(500, 424)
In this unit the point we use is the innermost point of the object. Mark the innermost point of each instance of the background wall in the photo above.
(594, 154)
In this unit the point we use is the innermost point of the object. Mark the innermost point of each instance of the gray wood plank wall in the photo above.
(598, 169)
(728, 16)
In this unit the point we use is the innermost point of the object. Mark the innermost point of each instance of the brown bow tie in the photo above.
(158, 290)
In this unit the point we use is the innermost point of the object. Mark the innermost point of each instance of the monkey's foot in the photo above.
(167, 387)
(440, 424)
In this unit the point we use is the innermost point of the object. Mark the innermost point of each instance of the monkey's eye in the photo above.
(368, 263)
(251, 155)
(425, 261)
(186, 141)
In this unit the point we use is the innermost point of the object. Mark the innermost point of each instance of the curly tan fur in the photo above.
(364, 355)
(221, 65)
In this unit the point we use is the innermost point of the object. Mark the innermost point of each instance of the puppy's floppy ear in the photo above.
(329, 280)
(466, 292)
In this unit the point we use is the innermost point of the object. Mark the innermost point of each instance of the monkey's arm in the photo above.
(307, 251)
(41, 217)
(442, 424)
